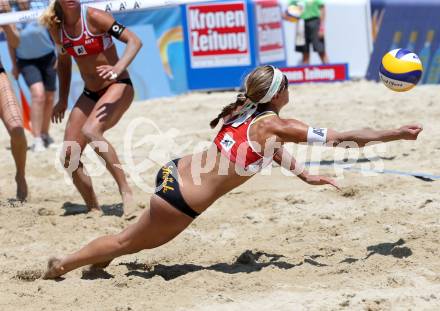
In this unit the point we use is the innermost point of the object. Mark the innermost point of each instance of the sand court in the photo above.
(275, 243)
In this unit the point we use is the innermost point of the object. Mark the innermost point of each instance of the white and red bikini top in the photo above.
(233, 141)
(87, 43)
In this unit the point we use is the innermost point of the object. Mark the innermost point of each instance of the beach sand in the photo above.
(275, 243)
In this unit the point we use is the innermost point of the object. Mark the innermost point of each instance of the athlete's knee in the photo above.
(70, 155)
(127, 244)
(17, 132)
(91, 133)
(38, 97)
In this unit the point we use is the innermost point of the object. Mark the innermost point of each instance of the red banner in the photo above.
(320, 73)
(218, 34)
(269, 31)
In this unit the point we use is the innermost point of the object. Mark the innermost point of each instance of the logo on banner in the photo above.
(121, 6)
(319, 73)
(270, 31)
(219, 35)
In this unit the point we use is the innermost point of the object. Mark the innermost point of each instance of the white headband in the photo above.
(248, 110)
(274, 86)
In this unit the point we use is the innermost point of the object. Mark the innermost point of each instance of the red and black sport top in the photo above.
(233, 141)
(87, 43)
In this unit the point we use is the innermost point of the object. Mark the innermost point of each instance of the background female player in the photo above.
(187, 188)
(11, 117)
(35, 59)
(86, 35)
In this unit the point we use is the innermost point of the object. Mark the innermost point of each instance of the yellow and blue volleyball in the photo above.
(293, 13)
(400, 70)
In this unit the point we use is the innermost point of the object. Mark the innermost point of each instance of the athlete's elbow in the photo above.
(136, 42)
(14, 43)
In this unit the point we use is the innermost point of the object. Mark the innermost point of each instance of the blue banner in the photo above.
(167, 44)
(413, 25)
(222, 43)
(159, 68)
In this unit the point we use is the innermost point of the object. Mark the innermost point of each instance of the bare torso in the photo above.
(88, 64)
(200, 190)
(87, 67)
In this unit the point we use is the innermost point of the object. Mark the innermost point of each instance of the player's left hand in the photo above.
(108, 72)
(317, 180)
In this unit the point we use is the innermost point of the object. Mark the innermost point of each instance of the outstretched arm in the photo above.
(106, 23)
(291, 130)
(287, 161)
(368, 135)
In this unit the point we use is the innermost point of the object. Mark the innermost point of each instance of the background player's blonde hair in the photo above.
(53, 15)
(257, 83)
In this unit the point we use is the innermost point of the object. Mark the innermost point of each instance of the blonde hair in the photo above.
(257, 84)
(52, 16)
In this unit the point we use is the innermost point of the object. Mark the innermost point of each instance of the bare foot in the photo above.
(54, 268)
(129, 204)
(22, 189)
(95, 209)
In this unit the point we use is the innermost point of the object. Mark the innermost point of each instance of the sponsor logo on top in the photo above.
(218, 34)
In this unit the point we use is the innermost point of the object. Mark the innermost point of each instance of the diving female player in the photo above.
(251, 137)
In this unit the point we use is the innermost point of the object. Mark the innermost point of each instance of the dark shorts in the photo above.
(39, 70)
(2, 69)
(96, 95)
(312, 37)
(168, 188)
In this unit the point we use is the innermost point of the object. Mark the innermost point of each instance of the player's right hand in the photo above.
(58, 112)
(411, 131)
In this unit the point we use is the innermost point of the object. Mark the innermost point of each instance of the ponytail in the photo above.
(256, 85)
(229, 109)
(52, 16)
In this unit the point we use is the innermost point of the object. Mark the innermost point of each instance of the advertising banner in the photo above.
(319, 73)
(159, 68)
(270, 36)
(225, 40)
(411, 25)
(218, 34)
(162, 51)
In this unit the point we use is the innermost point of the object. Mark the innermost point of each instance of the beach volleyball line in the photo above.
(423, 176)
(109, 6)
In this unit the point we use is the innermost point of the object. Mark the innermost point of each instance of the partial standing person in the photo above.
(312, 30)
(11, 117)
(35, 59)
(185, 188)
(86, 35)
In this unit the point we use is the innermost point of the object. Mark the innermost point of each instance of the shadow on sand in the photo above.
(247, 262)
(71, 209)
(395, 249)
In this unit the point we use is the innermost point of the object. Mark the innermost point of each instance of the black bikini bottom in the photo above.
(96, 95)
(167, 187)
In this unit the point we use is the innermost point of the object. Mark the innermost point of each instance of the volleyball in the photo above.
(400, 70)
(293, 13)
